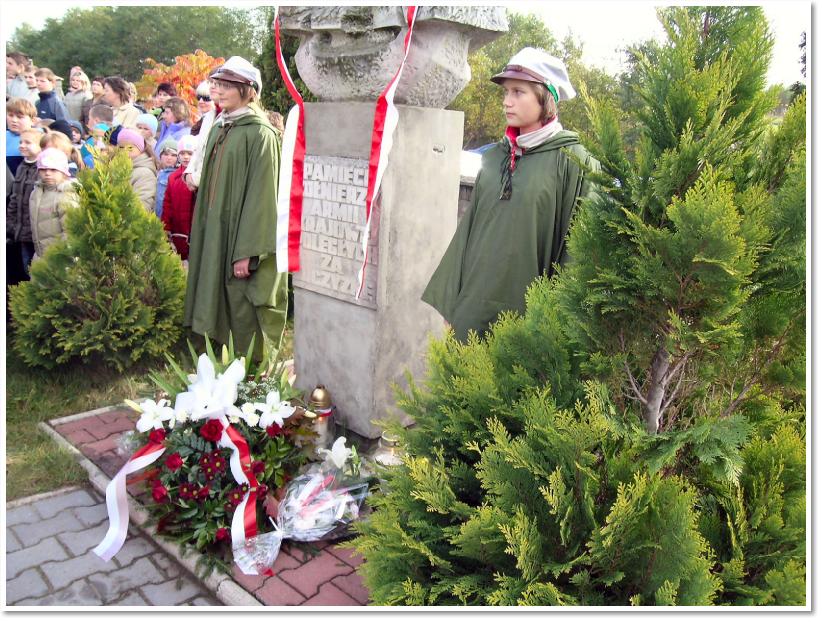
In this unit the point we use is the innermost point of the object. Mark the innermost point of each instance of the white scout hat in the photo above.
(238, 69)
(536, 65)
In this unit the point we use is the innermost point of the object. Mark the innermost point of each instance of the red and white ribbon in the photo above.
(117, 501)
(290, 191)
(386, 117)
(244, 522)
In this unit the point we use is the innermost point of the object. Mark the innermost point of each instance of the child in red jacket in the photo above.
(178, 203)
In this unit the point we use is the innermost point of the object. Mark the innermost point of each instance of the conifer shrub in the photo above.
(111, 292)
(637, 437)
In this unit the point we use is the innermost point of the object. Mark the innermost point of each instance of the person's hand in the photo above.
(241, 270)
(189, 184)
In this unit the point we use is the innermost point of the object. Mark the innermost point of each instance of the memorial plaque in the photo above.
(333, 225)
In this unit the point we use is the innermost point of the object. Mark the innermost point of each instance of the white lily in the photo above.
(274, 410)
(153, 414)
(249, 414)
(210, 394)
(338, 454)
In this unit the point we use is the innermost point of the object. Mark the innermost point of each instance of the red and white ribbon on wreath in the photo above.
(290, 192)
(117, 501)
(244, 521)
(386, 117)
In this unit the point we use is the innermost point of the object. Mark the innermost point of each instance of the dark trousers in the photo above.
(18, 260)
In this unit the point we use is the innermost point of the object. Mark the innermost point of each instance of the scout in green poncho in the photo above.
(522, 204)
(233, 284)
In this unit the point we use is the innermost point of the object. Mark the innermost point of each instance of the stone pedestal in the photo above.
(359, 349)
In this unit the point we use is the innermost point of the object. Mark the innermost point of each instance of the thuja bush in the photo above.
(111, 292)
(638, 436)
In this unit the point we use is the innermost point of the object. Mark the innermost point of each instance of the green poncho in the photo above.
(236, 217)
(501, 246)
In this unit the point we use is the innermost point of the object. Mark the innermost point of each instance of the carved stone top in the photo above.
(350, 53)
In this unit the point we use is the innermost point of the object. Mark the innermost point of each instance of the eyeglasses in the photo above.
(204, 98)
(224, 84)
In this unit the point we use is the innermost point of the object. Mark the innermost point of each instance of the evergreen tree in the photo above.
(112, 291)
(681, 229)
(107, 40)
(637, 437)
(275, 95)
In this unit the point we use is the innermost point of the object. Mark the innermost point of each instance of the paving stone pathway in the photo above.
(318, 574)
(49, 558)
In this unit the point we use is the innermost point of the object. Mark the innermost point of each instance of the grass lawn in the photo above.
(34, 463)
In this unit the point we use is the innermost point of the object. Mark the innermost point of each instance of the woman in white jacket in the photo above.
(209, 108)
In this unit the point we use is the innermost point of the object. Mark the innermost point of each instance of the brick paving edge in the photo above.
(10, 505)
(224, 588)
(83, 415)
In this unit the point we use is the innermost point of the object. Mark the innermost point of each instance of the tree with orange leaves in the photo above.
(185, 74)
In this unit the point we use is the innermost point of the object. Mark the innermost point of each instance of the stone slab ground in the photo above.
(320, 574)
(49, 561)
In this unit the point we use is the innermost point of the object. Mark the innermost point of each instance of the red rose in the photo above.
(222, 534)
(174, 462)
(274, 430)
(212, 430)
(257, 467)
(159, 492)
(157, 436)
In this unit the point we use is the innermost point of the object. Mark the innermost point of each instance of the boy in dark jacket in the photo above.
(49, 105)
(18, 220)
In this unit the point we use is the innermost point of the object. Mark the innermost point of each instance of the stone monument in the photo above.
(360, 348)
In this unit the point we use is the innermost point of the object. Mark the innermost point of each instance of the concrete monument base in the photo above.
(360, 348)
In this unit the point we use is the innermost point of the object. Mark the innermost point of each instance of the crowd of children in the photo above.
(51, 137)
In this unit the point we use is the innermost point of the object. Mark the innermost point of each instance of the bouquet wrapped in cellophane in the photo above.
(318, 504)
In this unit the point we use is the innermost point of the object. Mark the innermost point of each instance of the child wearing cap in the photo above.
(76, 134)
(178, 204)
(522, 204)
(147, 125)
(18, 218)
(53, 195)
(168, 164)
(143, 172)
(60, 140)
(95, 143)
